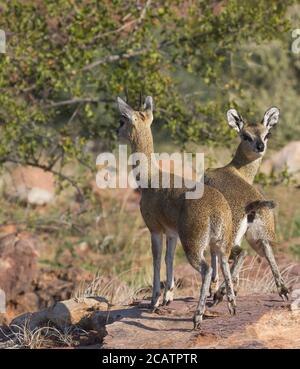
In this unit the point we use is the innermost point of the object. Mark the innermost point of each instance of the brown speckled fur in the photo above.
(239, 194)
(200, 223)
(235, 182)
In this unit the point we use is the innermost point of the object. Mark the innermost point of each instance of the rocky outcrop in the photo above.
(263, 321)
(171, 327)
(65, 313)
(25, 286)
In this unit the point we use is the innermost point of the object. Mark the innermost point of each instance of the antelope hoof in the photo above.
(198, 317)
(232, 307)
(168, 297)
(155, 302)
(283, 292)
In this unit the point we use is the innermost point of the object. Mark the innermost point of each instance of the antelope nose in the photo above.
(260, 146)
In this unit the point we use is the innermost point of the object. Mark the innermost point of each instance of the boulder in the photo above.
(79, 312)
(30, 184)
(295, 300)
(75, 312)
(30, 320)
(287, 158)
(18, 264)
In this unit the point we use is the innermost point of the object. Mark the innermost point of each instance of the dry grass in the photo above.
(256, 278)
(17, 337)
(113, 290)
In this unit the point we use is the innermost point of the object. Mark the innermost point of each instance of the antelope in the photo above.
(199, 223)
(235, 182)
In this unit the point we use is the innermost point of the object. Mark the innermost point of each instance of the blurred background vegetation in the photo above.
(66, 61)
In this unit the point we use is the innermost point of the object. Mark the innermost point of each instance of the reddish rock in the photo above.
(295, 299)
(18, 264)
(32, 185)
(288, 158)
(262, 321)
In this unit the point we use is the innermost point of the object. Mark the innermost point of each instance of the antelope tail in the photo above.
(254, 206)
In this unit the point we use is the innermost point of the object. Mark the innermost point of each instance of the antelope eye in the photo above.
(246, 137)
(268, 135)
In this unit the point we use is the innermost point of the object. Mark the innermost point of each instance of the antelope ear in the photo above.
(235, 120)
(148, 105)
(271, 117)
(124, 108)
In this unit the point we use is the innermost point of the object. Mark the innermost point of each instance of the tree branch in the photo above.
(76, 100)
(114, 58)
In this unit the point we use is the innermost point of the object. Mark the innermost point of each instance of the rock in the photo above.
(262, 321)
(295, 300)
(31, 320)
(28, 302)
(287, 158)
(18, 264)
(48, 287)
(58, 284)
(65, 313)
(171, 326)
(31, 185)
(75, 312)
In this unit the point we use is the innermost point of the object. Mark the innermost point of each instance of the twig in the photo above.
(76, 101)
(113, 58)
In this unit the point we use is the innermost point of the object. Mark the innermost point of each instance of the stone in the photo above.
(31, 320)
(30, 184)
(75, 312)
(287, 158)
(18, 264)
(295, 300)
